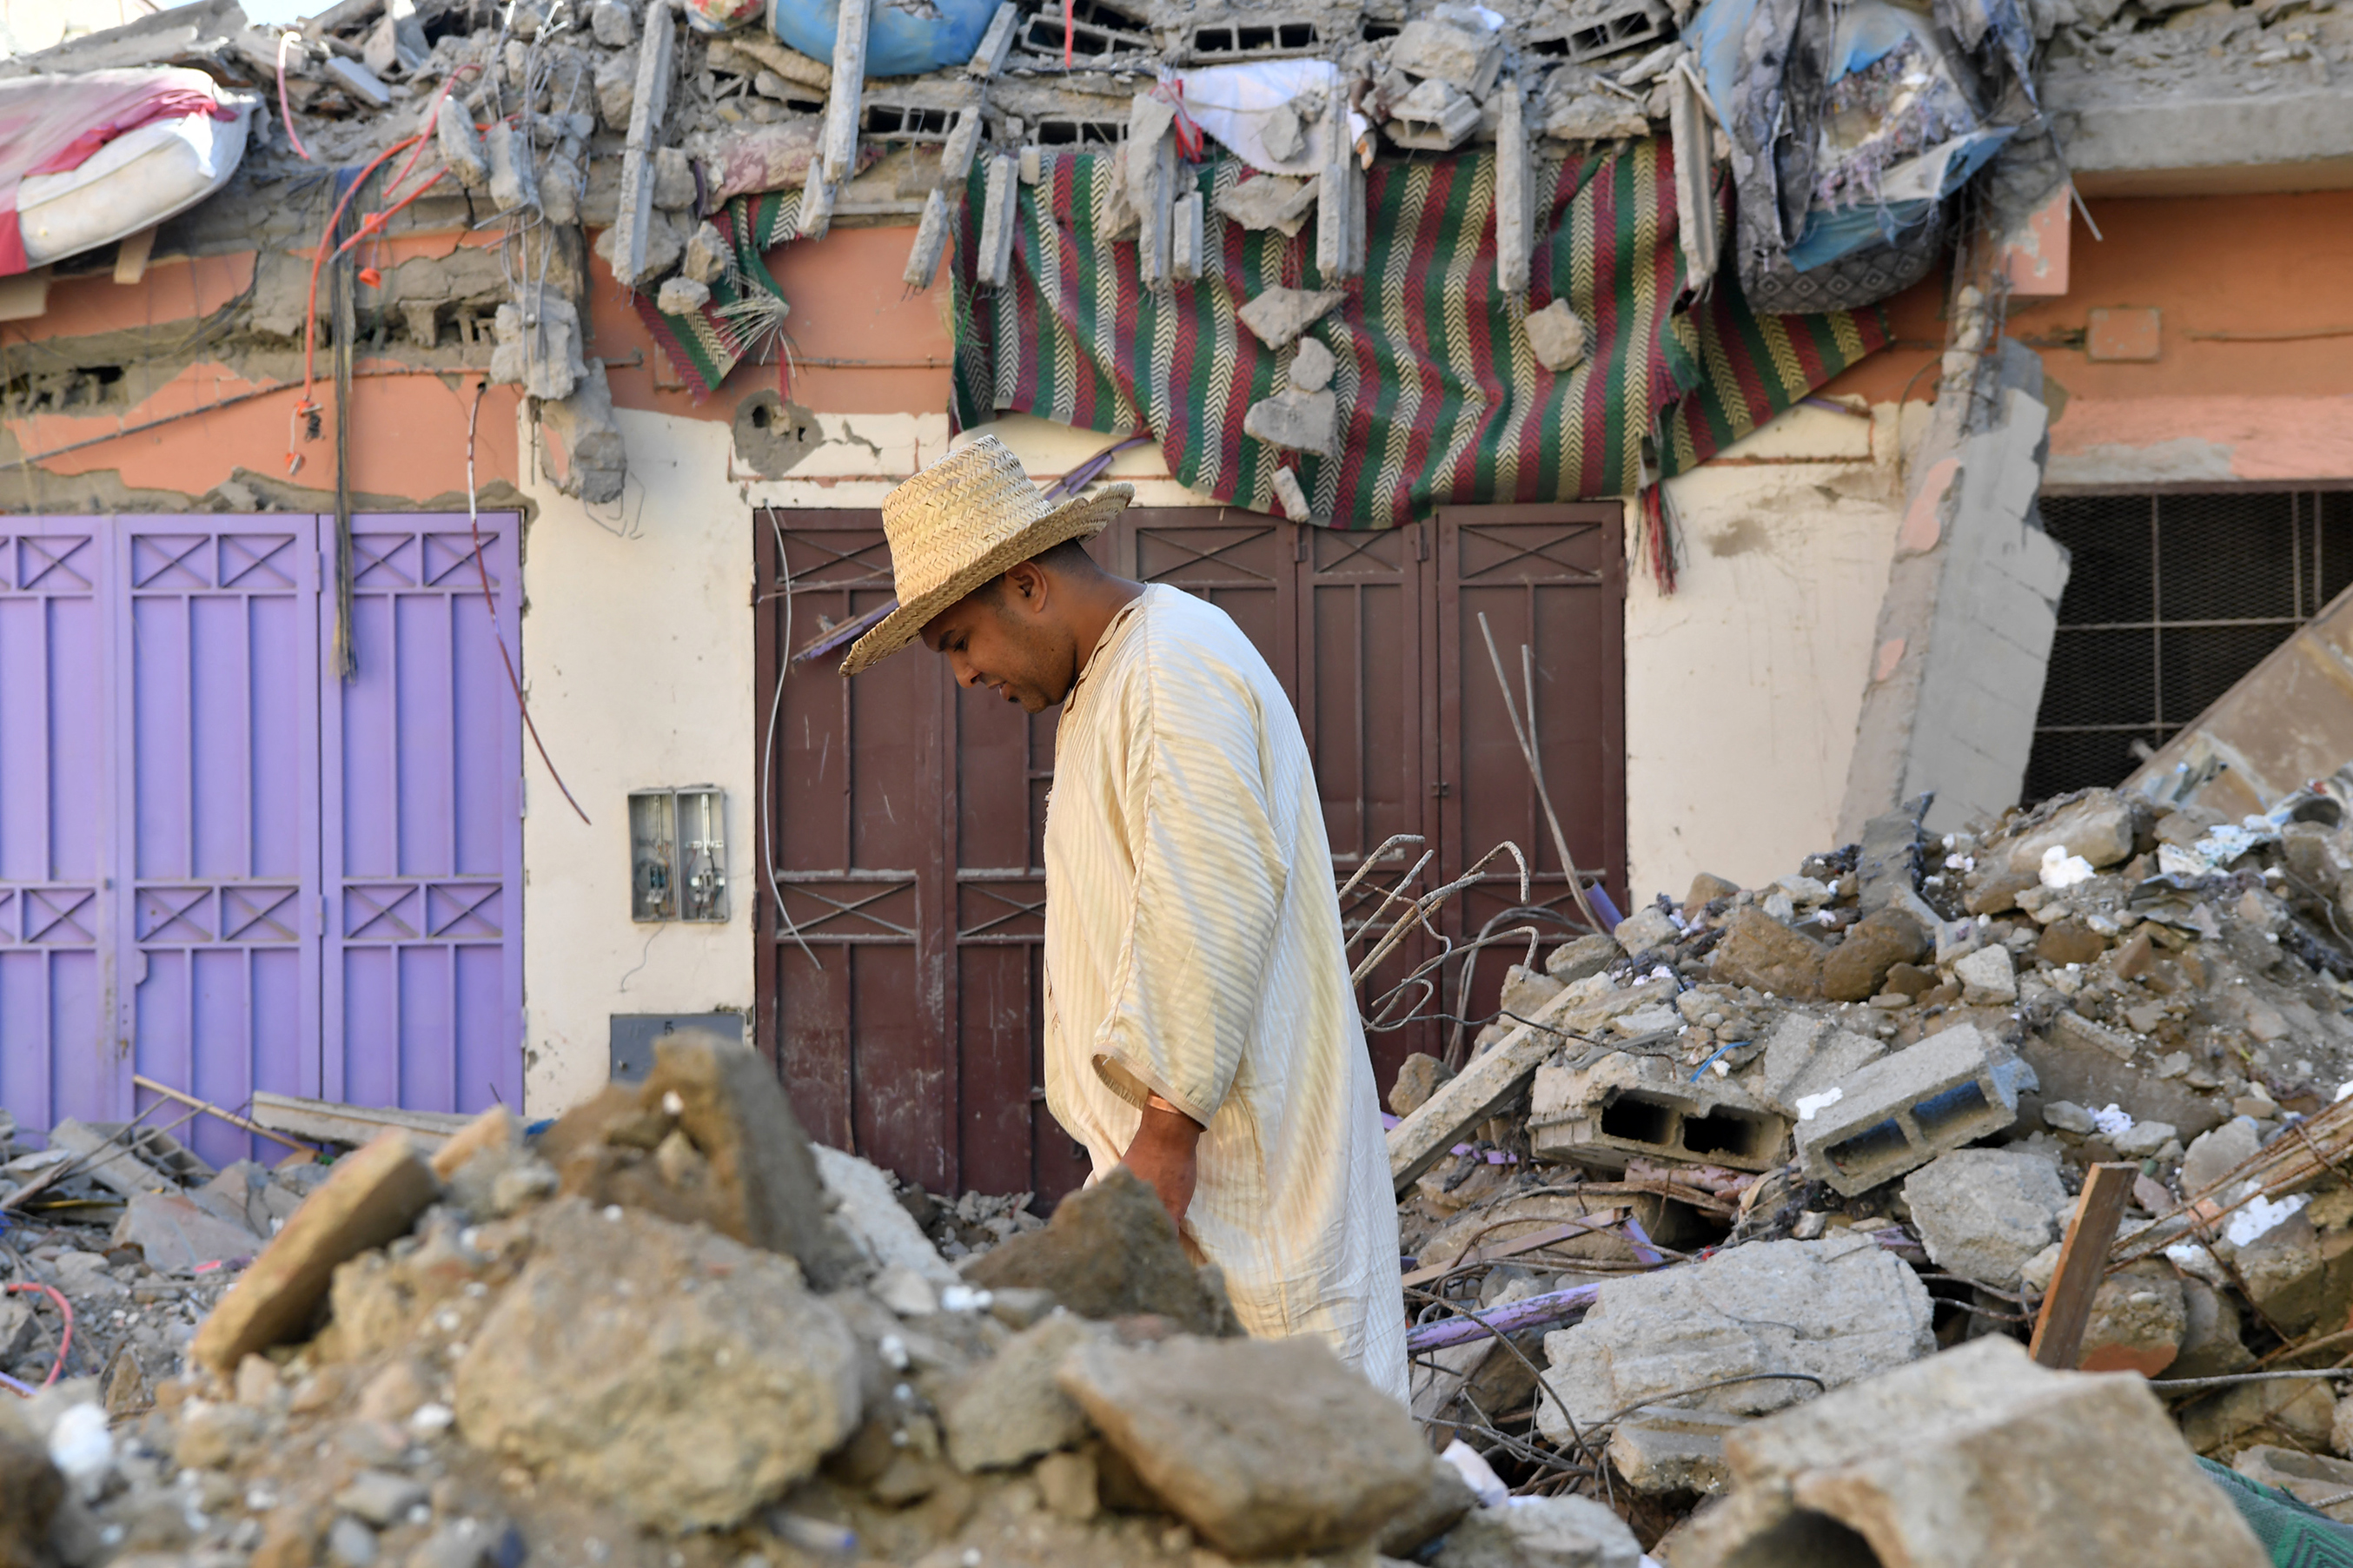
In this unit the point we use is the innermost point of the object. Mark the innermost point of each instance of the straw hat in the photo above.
(967, 519)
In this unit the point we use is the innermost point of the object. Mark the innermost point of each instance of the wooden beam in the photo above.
(234, 1119)
(130, 255)
(2083, 1263)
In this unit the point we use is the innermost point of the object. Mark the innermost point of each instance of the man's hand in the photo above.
(1162, 1154)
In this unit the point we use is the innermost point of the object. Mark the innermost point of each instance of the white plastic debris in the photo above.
(963, 1299)
(1809, 1103)
(2342, 1090)
(80, 1446)
(1477, 1473)
(2261, 1216)
(2113, 1121)
(2061, 870)
(431, 1420)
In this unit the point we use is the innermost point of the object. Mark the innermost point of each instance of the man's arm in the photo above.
(1163, 1155)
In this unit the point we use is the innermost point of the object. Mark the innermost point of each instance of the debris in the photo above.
(1984, 1213)
(175, 1235)
(1277, 316)
(1903, 1111)
(1557, 337)
(1110, 1251)
(327, 1121)
(1300, 420)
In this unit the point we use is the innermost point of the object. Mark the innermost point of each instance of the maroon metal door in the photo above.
(899, 936)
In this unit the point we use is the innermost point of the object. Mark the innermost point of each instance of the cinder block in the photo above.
(1620, 1107)
(1905, 1110)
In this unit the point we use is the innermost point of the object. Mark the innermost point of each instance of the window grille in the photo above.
(2171, 599)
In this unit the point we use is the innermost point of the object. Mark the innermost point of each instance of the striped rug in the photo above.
(703, 345)
(1441, 400)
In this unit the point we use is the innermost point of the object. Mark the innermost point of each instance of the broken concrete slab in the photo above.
(1311, 366)
(1805, 1058)
(595, 1367)
(1903, 1111)
(460, 146)
(1419, 1077)
(867, 1211)
(1480, 1090)
(1670, 1451)
(1856, 969)
(1279, 315)
(1453, 45)
(1622, 1107)
(1009, 1410)
(1978, 1422)
(1268, 1447)
(581, 445)
(1983, 1213)
(1110, 1251)
(1445, 1497)
(1269, 201)
(1589, 955)
(1557, 337)
(2100, 825)
(101, 1146)
(745, 1169)
(1837, 1310)
(1568, 1531)
(2084, 1063)
(1435, 117)
(174, 1234)
(372, 1196)
(680, 295)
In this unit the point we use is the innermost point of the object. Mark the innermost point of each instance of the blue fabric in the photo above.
(898, 41)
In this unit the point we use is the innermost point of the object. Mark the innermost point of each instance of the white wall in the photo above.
(1741, 690)
(638, 651)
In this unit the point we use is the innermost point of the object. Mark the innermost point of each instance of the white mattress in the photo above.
(139, 179)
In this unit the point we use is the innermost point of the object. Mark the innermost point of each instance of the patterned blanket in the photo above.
(1441, 400)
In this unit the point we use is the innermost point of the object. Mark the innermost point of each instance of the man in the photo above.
(1200, 1028)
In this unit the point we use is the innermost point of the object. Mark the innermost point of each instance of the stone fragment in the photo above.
(1913, 1462)
(1986, 977)
(1277, 316)
(108, 1162)
(1759, 951)
(2137, 1322)
(674, 179)
(174, 1234)
(708, 257)
(759, 1177)
(2143, 1140)
(514, 186)
(1673, 1450)
(1435, 117)
(1542, 1532)
(867, 1210)
(679, 296)
(1589, 955)
(1008, 1410)
(2069, 940)
(1905, 1108)
(381, 1498)
(351, 1544)
(2318, 1482)
(1110, 1251)
(1311, 366)
(1838, 1309)
(2210, 1342)
(1453, 45)
(584, 453)
(2086, 1063)
(1291, 496)
(1625, 1107)
(1983, 1213)
(372, 1196)
(1557, 337)
(613, 24)
(214, 1435)
(2298, 1267)
(2100, 827)
(538, 346)
(1445, 1497)
(1270, 201)
(1268, 1447)
(461, 145)
(33, 1491)
(2222, 1423)
(1578, 108)
(1857, 967)
(616, 87)
(681, 1376)
(2214, 1155)
(665, 247)
(1068, 1484)
(1420, 1077)
(1300, 421)
(1645, 929)
(1805, 1058)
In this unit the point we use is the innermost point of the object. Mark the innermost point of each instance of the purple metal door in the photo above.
(423, 812)
(227, 872)
(57, 960)
(216, 835)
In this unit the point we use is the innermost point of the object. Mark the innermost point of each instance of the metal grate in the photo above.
(2171, 599)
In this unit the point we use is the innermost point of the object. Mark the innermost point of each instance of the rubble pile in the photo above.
(1771, 1143)
(668, 1330)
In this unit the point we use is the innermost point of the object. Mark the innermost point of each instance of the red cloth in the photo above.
(51, 124)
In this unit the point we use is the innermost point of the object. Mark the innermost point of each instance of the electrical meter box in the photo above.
(678, 854)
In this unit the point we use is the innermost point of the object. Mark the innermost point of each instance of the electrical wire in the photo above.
(768, 751)
(65, 1345)
(474, 520)
(286, 110)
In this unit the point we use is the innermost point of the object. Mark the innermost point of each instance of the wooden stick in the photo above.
(232, 1117)
(1551, 1236)
(1526, 735)
(2082, 1262)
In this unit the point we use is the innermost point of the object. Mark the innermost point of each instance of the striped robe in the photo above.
(1193, 950)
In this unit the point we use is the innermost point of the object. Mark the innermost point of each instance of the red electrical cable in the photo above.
(306, 407)
(285, 110)
(64, 1306)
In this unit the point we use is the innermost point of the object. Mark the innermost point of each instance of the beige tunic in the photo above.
(1193, 949)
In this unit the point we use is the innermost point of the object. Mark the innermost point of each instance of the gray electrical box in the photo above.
(633, 1034)
(678, 854)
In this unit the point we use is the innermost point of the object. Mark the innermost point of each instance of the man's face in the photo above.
(1008, 640)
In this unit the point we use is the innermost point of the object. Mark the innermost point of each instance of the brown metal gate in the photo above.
(900, 932)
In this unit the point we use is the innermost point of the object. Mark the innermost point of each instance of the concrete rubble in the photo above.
(1802, 1159)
